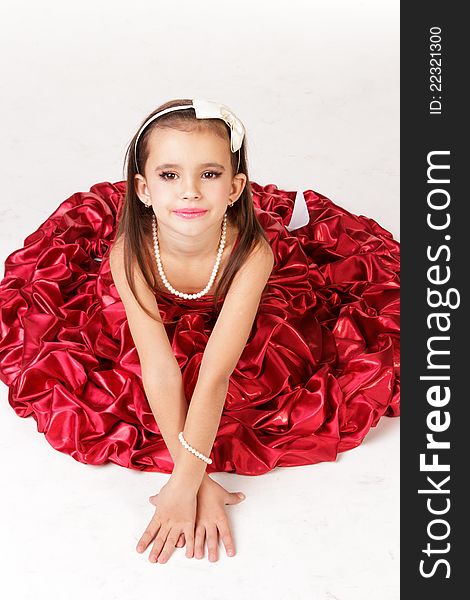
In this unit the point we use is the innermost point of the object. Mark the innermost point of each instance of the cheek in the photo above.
(156, 188)
(160, 194)
(219, 189)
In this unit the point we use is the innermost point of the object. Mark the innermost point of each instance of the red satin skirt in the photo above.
(320, 367)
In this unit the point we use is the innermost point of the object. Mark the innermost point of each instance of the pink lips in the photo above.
(190, 214)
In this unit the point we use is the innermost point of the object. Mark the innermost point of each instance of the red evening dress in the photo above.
(320, 367)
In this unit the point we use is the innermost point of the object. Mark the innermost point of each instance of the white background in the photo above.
(317, 86)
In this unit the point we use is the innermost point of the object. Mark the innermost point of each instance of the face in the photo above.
(189, 170)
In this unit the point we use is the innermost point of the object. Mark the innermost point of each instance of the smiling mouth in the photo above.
(190, 214)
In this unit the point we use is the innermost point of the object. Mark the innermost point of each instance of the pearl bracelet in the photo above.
(193, 450)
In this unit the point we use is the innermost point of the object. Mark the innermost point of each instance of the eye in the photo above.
(164, 175)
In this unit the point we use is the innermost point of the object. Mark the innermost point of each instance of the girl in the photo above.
(275, 315)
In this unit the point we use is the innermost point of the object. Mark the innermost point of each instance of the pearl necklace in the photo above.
(167, 284)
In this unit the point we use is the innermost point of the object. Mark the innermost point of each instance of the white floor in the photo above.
(317, 86)
(326, 531)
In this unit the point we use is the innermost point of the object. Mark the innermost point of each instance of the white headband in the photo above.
(205, 109)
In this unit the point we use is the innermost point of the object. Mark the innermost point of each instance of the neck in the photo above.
(177, 247)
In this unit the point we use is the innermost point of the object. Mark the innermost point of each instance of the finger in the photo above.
(181, 541)
(199, 541)
(234, 498)
(226, 537)
(212, 542)
(169, 546)
(158, 543)
(189, 535)
(149, 534)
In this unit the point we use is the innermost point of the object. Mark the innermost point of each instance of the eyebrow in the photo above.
(174, 166)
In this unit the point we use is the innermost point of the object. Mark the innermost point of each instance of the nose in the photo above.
(189, 188)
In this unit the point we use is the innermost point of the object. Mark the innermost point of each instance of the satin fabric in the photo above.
(320, 367)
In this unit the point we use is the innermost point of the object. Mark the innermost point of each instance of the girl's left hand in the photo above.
(210, 517)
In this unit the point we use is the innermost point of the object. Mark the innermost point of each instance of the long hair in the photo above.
(135, 220)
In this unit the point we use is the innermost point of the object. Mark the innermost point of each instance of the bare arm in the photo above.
(169, 407)
(220, 358)
(161, 375)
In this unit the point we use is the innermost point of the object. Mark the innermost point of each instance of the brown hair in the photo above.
(135, 220)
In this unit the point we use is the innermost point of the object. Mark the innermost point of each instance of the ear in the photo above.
(141, 189)
(238, 185)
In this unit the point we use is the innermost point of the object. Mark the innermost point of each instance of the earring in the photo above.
(231, 204)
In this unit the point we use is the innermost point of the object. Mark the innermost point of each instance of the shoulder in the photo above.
(117, 264)
(252, 276)
(116, 254)
(261, 256)
(264, 248)
(118, 272)
(116, 259)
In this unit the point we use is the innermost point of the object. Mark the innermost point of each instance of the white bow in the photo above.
(206, 109)
(300, 215)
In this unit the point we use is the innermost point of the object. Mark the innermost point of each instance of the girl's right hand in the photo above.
(211, 518)
(175, 514)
